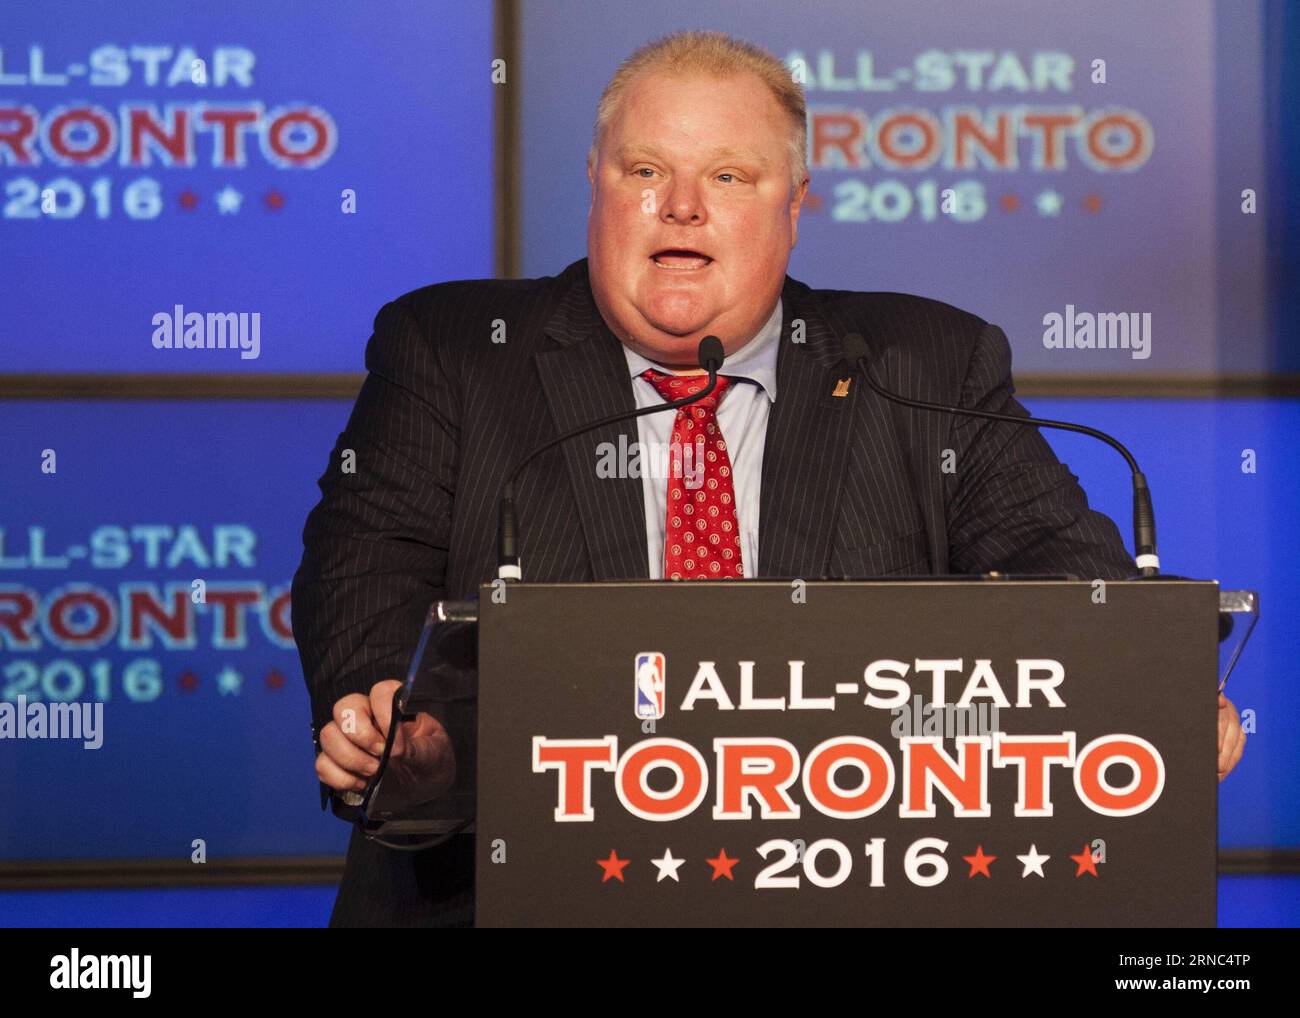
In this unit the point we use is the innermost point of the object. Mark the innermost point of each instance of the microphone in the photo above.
(1144, 521)
(710, 356)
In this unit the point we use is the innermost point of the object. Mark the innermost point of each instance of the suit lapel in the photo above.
(806, 451)
(586, 378)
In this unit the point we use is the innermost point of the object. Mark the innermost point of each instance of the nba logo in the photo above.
(648, 680)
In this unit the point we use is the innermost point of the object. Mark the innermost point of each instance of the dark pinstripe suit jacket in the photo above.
(851, 486)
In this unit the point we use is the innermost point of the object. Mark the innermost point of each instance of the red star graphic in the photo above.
(1092, 202)
(274, 679)
(275, 200)
(613, 867)
(188, 200)
(722, 865)
(979, 862)
(1086, 862)
(1009, 202)
(189, 682)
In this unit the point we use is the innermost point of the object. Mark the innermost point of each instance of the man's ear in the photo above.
(591, 179)
(796, 205)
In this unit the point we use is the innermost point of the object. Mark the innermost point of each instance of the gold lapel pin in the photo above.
(842, 387)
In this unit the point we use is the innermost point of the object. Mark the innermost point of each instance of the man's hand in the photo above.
(422, 765)
(1232, 740)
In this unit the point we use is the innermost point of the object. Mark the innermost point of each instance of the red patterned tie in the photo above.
(701, 535)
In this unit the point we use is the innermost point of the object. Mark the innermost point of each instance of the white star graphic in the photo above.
(668, 865)
(1033, 862)
(229, 681)
(1049, 203)
(229, 200)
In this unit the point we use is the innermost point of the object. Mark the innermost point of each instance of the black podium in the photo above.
(964, 752)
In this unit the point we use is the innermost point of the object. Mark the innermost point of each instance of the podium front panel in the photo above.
(716, 754)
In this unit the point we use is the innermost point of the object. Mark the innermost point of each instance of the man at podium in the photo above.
(790, 468)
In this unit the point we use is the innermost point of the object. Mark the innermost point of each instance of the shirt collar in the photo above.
(754, 362)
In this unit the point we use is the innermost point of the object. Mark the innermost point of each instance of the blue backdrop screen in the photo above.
(205, 730)
(293, 164)
(1015, 158)
(130, 577)
(271, 173)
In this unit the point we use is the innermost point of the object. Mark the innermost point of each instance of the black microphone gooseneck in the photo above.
(710, 355)
(1144, 521)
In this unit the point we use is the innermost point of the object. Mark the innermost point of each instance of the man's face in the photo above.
(692, 217)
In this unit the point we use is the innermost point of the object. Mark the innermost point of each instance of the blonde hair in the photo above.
(719, 55)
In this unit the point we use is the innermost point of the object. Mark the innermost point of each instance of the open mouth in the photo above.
(681, 259)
